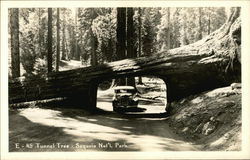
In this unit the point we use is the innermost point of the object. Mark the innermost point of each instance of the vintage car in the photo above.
(125, 98)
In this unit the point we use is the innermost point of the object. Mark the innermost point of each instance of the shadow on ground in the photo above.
(79, 130)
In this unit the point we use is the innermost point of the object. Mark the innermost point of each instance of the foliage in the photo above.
(184, 24)
(28, 39)
(150, 20)
(104, 28)
(85, 31)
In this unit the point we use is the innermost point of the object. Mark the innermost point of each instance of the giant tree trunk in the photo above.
(14, 38)
(121, 38)
(130, 41)
(209, 63)
(121, 33)
(130, 33)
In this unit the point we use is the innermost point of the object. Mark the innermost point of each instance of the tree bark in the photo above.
(121, 38)
(139, 32)
(139, 41)
(58, 40)
(93, 42)
(14, 33)
(94, 61)
(50, 52)
(39, 34)
(130, 41)
(130, 33)
(63, 42)
(121, 33)
(77, 54)
(186, 73)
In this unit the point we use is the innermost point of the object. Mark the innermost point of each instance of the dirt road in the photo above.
(61, 129)
(46, 129)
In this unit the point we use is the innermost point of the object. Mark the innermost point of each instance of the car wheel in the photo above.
(115, 109)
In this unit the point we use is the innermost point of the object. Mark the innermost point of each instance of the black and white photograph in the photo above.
(125, 79)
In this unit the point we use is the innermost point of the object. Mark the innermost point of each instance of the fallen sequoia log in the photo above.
(209, 63)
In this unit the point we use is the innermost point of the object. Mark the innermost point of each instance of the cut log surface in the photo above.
(209, 63)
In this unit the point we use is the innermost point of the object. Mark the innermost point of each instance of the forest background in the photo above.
(93, 35)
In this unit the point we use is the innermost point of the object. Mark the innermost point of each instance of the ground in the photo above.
(87, 132)
(206, 121)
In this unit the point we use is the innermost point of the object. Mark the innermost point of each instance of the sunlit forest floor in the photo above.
(71, 64)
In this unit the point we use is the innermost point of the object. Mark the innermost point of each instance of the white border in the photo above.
(245, 14)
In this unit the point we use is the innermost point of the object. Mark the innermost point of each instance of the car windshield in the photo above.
(124, 91)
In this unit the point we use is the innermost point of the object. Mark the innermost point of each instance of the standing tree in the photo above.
(168, 33)
(63, 39)
(215, 17)
(121, 33)
(66, 21)
(77, 54)
(176, 25)
(163, 35)
(130, 33)
(49, 55)
(88, 38)
(104, 28)
(200, 24)
(139, 32)
(39, 33)
(14, 31)
(58, 39)
(209, 21)
(121, 37)
(139, 40)
(93, 40)
(183, 37)
(130, 40)
(150, 21)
